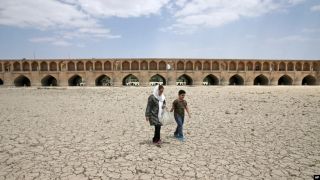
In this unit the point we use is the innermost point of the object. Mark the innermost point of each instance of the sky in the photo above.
(239, 29)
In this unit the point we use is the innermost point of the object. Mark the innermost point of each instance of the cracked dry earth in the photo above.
(101, 133)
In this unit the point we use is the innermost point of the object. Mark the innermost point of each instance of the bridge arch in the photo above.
(236, 80)
(261, 80)
(49, 80)
(75, 80)
(211, 80)
(157, 78)
(184, 80)
(285, 80)
(103, 80)
(130, 80)
(309, 80)
(21, 81)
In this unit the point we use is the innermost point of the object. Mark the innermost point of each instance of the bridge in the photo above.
(152, 71)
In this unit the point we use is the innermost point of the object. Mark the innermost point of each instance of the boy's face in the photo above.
(181, 96)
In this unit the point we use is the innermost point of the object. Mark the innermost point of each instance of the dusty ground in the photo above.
(101, 133)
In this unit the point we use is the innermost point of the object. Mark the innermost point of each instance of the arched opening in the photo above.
(261, 80)
(0, 67)
(75, 80)
(89, 66)
(98, 66)
(162, 65)
(211, 80)
(257, 66)
(232, 66)
(144, 65)
(21, 81)
(157, 79)
(44, 66)
(125, 65)
(306, 67)
(266, 66)
(309, 80)
(285, 80)
(80, 66)
(184, 80)
(249, 66)
(298, 66)
(198, 66)
(49, 81)
(7, 66)
(107, 66)
(241, 66)
(135, 66)
(16, 66)
(130, 80)
(180, 65)
(25, 66)
(53, 66)
(215, 66)
(1, 82)
(206, 65)
(189, 66)
(34, 66)
(282, 66)
(290, 66)
(71, 66)
(153, 65)
(103, 80)
(236, 80)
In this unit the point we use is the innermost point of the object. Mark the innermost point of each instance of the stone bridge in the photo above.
(151, 71)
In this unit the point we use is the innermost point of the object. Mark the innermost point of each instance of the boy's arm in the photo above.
(187, 109)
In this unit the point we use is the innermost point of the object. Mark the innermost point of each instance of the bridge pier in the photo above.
(171, 78)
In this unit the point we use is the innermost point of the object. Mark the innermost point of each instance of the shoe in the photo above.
(157, 142)
(182, 139)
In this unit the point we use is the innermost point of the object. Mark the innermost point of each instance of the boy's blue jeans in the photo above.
(179, 131)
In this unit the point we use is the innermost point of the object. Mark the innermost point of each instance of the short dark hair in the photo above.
(181, 92)
(160, 87)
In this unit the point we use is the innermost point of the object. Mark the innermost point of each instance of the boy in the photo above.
(179, 106)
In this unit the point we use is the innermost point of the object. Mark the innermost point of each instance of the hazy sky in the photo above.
(286, 29)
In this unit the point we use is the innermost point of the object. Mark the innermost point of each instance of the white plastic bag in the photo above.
(167, 118)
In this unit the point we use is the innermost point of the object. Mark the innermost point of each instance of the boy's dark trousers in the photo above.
(156, 137)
